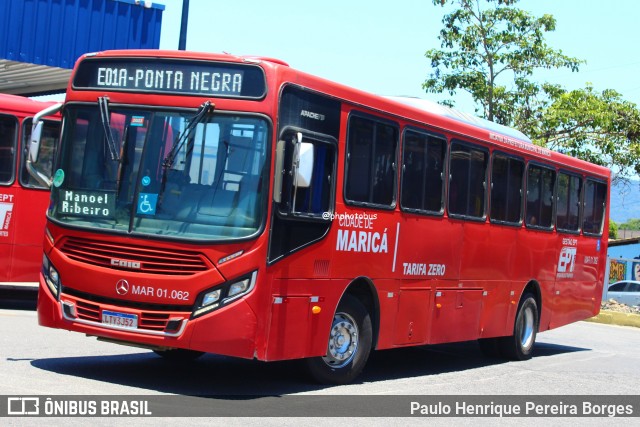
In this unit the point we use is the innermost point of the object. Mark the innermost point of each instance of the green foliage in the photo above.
(613, 230)
(491, 49)
(485, 49)
(631, 224)
(601, 128)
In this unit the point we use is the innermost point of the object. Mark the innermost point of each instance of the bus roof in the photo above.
(460, 116)
(21, 104)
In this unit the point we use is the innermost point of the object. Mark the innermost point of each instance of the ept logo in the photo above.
(6, 207)
(567, 260)
(23, 406)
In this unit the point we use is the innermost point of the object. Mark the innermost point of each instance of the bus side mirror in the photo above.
(34, 142)
(304, 162)
(277, 181)
(298, 171)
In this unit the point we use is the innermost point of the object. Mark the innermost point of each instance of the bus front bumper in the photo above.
(229, 331)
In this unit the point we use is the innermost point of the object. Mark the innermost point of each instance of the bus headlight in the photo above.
(239, 287)
(223, 294)
(51, 276)
(211, 297)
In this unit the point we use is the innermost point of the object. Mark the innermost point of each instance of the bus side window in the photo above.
(467, 183)
(48, 147)
(568, 202)
(371, 162)
(507, 176)
(315, 199)
(8, 129)
(540, 185)
(422, 172)
(594, 207)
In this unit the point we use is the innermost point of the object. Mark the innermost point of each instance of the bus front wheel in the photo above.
(519, 346)
(349, 345)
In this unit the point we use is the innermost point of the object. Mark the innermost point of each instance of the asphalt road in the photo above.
(578, 359)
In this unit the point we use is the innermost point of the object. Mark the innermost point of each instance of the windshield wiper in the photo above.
(103, 104)
(204, 109)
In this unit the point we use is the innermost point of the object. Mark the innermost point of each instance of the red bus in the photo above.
(234, 205)
(23, 199)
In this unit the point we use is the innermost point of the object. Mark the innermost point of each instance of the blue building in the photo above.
(40, 40)
(624, 260)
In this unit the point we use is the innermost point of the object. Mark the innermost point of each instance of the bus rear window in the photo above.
(594, 206)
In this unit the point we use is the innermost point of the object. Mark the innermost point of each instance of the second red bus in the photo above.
(23, 199)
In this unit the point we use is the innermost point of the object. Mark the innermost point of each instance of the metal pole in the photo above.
(182, 44)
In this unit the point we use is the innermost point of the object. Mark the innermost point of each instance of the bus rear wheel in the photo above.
(349, 345)
(519, 346)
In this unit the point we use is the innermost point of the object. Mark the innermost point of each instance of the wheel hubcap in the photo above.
(343, 341)
(527, 328)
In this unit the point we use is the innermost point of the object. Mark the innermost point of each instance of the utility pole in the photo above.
(182, 44)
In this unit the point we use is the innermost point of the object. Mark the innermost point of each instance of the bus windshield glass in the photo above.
(212, 189)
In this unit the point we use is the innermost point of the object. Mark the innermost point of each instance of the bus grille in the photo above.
(134, 258)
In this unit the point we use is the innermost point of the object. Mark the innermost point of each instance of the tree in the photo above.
(483, 49)
(492, 53)
(601, 128)
(631, 224)
(613, 230)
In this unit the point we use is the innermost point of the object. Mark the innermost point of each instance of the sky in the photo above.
(379, 46)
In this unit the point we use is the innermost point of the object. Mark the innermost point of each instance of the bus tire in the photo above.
(349, 345)
(519, 346)
(179, 354)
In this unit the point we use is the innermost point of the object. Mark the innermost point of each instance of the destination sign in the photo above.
(87, 203)
(171, 77)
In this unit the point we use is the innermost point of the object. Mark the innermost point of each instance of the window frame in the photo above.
(557, 199)
(511, 157)
(530, 226)
(12, 147)
(354, 114)
(444, 171)
(583, 205)
(25, 135)
(315, 138)
(476, 147)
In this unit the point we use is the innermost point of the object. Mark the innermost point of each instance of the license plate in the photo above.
(122, 320)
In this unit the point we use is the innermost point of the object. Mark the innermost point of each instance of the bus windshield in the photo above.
(211, 190)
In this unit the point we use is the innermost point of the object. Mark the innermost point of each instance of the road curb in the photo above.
(616, 318)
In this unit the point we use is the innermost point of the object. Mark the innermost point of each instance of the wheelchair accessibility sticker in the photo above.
(147, 203)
